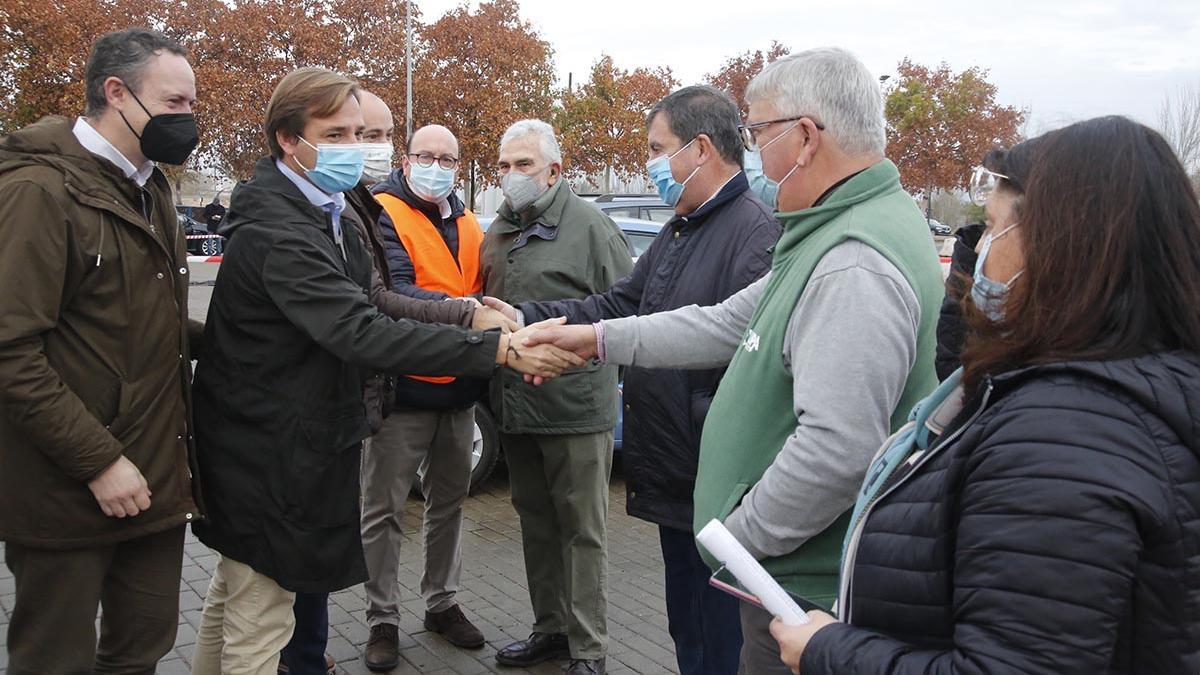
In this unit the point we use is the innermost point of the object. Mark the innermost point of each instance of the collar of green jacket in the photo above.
(547, 209)
(269, 197)
(51, 142)
(877, 179)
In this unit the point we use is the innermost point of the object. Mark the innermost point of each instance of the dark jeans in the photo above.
(704, 622)
(305, 654)
(53, 624)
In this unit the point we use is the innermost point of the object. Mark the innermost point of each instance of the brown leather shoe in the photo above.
(382, 652)
(455, 627)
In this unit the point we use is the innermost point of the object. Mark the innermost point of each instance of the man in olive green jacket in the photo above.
(96, 452)
(548, 244)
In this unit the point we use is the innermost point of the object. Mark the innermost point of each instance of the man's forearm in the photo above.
(690, 337)
(37, 401)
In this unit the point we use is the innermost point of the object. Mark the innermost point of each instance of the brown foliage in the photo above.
(44, 49)
(602, 126)
(735, 74)
(478, 72)
(940, 124)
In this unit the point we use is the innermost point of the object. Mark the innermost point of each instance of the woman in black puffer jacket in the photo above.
(1054, 526)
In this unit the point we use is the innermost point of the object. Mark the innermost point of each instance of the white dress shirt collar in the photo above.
(93, 142)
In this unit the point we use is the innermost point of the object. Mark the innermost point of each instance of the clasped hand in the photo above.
(538, 362)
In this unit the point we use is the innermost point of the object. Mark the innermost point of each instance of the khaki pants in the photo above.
(53, 622)
(760, 651)
(438, 442)
(247, 620)
(560, 490)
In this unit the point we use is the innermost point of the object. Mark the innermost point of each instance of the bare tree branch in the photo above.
(1179, 123)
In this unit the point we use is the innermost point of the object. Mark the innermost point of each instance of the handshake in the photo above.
(543, 350)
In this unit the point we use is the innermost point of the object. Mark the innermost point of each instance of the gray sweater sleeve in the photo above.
(690, 337)
(850, 344)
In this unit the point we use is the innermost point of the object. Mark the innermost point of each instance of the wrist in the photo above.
(502, 349)
(599, 328)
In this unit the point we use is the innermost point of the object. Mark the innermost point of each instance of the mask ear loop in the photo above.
(297, 157)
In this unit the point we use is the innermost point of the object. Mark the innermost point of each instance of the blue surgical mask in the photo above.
(766, 189)
(431, 183)
(339, 166)
(990, 295)
(659, 169)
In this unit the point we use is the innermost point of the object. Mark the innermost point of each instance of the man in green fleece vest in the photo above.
(826, 354)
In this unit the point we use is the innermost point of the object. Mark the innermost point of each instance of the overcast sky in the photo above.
(1063, 60)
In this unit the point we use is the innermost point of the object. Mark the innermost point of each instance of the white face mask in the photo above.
(377, 161)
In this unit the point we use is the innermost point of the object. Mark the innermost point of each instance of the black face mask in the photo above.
(168, 138)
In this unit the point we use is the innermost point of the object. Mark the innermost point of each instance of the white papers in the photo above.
(721, 544)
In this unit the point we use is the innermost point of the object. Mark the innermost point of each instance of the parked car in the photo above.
(939, 229)
(640, 233)
(486, 449)
(642, 207)
(199, 242)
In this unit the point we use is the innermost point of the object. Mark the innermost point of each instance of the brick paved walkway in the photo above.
(493, 594)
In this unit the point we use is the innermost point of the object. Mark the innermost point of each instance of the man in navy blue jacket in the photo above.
(717, 244)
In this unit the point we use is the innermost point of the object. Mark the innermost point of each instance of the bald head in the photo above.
(377, 118)
(434, 139)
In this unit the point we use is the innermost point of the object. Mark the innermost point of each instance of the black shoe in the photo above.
(382, 652)
(586, 667)
(540, 647)
(455, 627)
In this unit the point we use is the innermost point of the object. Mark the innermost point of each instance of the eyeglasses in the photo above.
(425, 159)
(983, 184)
(749, 132)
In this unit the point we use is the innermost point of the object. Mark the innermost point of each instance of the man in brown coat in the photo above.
(96, 457)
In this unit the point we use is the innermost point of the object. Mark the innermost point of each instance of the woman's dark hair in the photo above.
(1111, 231)
(1015, 163)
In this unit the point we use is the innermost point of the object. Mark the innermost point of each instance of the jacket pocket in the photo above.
(321, 477)
(103, 400)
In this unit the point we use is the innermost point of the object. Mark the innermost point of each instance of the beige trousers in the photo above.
(247, 620)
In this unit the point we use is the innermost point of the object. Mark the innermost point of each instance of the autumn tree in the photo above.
(477, 72)
(44, 48)
(603, 125)
(735, 74)
(940, 124)
(241, 52)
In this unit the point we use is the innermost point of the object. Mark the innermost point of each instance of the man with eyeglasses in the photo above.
(827, 353)
(432, 247)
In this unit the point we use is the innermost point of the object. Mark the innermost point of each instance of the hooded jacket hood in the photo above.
(51, 142)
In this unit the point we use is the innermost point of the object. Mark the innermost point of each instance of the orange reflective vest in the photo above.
(436, 268)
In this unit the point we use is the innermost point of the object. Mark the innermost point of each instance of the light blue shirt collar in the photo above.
(311, 192)
(332, 204)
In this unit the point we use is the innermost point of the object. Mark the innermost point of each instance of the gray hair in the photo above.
(835, 88)
(692, 111)
(123, 54)
(547, 143)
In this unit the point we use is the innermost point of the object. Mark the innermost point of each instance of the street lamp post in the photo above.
(408, 116)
